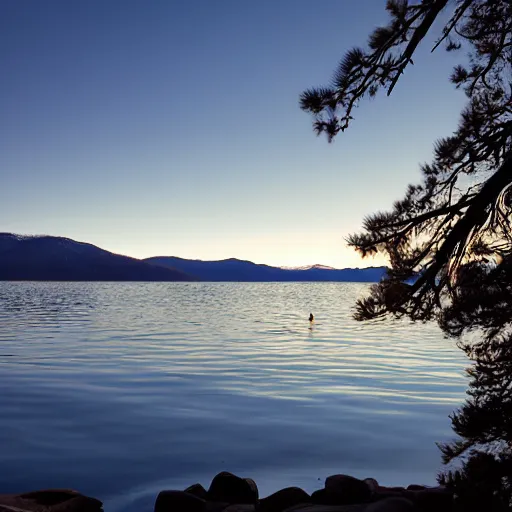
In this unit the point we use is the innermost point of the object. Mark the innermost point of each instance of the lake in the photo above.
(122, 390)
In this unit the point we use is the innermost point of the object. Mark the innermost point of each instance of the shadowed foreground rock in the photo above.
(342, 493)
(53, 500)
(230, 493)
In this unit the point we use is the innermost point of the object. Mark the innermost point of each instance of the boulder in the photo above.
(232, 489)
(327, 497)
(283, 499)
(328, 508)
(383, 493)
(393, 489)
(344, 490)
(197, 490)
(216, 506)
(239, 508)
(391, 505)
(51, 500)
(372, 484)
(179, 501)
(254, 487)
(333, 497)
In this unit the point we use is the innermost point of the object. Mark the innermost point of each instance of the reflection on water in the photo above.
(120, 390)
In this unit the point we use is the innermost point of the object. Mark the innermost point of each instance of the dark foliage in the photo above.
(479, 484)
(450, 236)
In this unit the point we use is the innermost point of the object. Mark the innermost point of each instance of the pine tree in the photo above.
(450, 236)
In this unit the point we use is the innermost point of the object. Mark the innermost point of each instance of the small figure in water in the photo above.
(311, 317)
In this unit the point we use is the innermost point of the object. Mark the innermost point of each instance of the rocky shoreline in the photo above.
(230, 493)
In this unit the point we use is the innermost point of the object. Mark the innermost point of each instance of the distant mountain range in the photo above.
(49, 258)
(247, 271)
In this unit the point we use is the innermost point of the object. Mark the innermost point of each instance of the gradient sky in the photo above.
(172, 127)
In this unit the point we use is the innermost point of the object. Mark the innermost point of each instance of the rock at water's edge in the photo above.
(51, 500)
(178, 501)
(391, 505)
(344, 490)
(284, 499)
(232, 489)
(197, 490)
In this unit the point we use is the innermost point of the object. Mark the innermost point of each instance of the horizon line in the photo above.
(282, 267)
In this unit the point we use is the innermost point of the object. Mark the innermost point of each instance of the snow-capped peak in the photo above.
(310, 267)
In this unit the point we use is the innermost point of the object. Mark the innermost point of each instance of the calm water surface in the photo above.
(121, 390)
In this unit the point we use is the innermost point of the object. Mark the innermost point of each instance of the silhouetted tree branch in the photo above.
(448, 241)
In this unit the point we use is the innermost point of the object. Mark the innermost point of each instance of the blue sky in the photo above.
(173, 128)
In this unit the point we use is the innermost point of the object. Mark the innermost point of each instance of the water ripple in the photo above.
(121, 389)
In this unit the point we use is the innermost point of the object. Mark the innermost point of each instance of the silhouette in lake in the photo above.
(311, 317)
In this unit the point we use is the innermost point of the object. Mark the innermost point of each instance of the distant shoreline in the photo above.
(58, 259)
